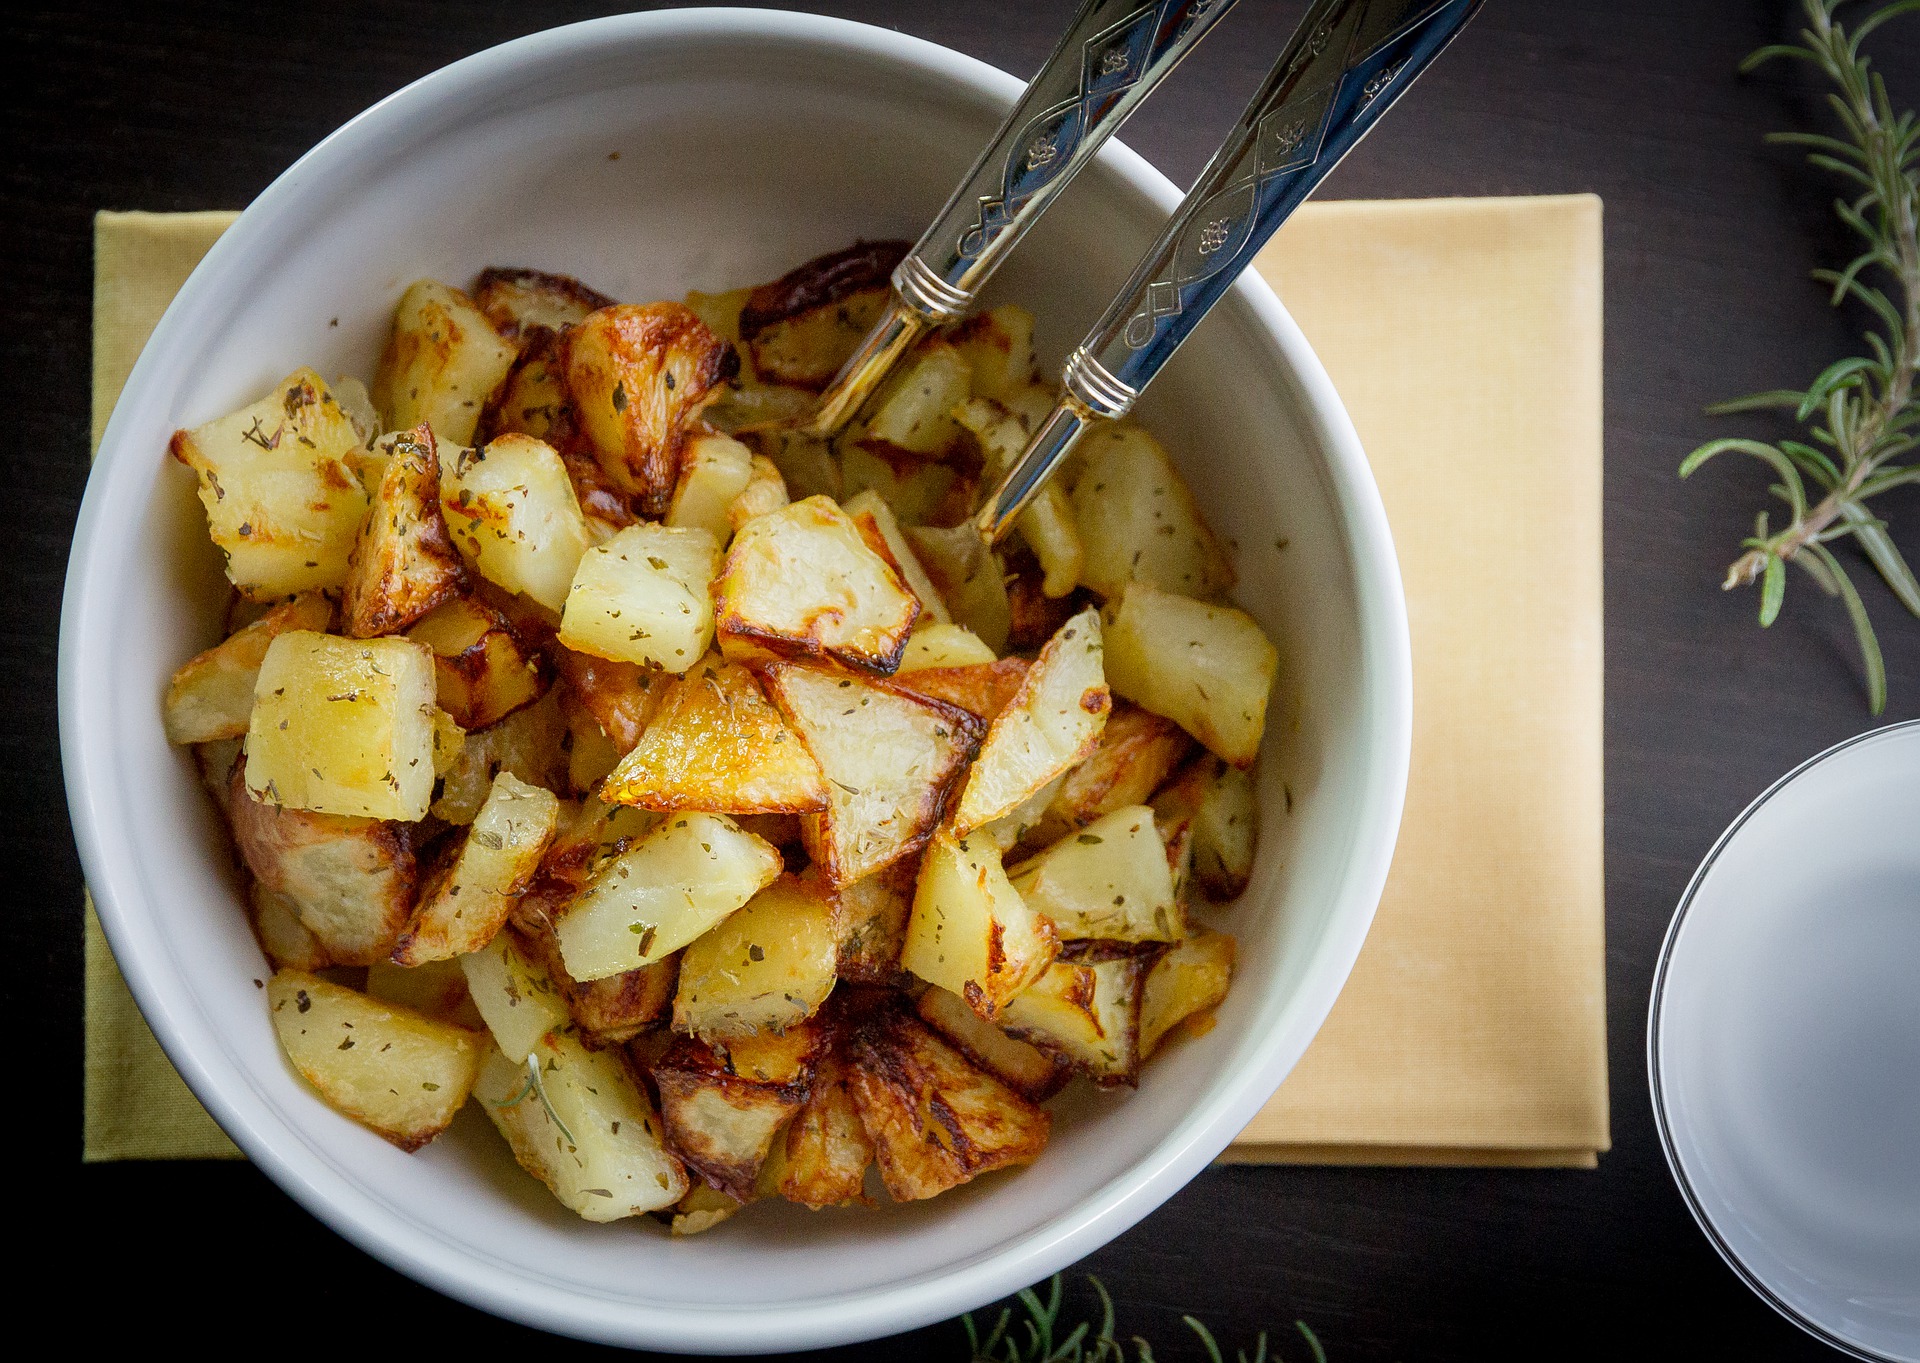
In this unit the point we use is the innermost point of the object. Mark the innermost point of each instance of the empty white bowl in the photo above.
(650, 154)
(1784, 1046)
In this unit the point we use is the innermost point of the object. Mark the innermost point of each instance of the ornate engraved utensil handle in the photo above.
(1109, 60)
(1344, 67)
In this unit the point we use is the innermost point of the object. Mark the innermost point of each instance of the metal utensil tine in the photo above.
(1342, 70)
(1110, 59)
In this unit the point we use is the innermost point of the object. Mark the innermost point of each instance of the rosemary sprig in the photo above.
(1085, 1344)
(1860, 411)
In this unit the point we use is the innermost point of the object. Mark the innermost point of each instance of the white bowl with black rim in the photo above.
(747, 141)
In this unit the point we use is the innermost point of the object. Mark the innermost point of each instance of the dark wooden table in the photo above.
(1708, 236)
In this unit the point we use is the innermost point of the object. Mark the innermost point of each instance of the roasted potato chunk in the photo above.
(622, 697)
(1209, 669)
(889, 758)
(527, 743)
(935, 1119)
(720, 1122)
(577, 1122)
(870, 925)
(803, 326)
(765, 492)
(211, 697)
(1026, 1069)
(397, 1072)
(669, 888)
(403, 563)
(343, 726)
(1137, 751)
(718, 745)
(971, 580)
(482, 670)
(1047, 523)
(981, 689)
(1223, 820)
(514, 993)
(881, 529)
(1187, 982)
(825, 1146)
(642, 598)
(511, 509)
(1138, 522)
(640, 375)
(283, 505)
(517, 301)
(998, 347)
(802, 582)
(912, 410)
(971, 932)
(462, 909)
(287, 943)
(714, 470)
(1087, 1012)
(939, 647)
(351, 881)
(614, 1008)
(442, 362)
(1109, 881)
(764, 969)
(1052, 723)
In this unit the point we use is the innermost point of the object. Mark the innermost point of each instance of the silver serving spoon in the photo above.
(1343, 68)
(1109, 60)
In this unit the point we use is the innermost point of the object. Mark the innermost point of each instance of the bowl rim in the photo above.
(1664, 1120)
(1381, 638)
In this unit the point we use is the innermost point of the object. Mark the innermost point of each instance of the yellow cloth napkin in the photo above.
(1464, 336)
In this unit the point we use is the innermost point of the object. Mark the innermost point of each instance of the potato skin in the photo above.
(639, 375)
(403, 564)
(824, 300)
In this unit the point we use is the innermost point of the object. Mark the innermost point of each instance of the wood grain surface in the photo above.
(1709, 236)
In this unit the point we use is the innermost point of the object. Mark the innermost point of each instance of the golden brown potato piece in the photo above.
(889, 756)
(579, 1123)
(284, 939)
(351, 881)
(437, 989)
(623, 697)
(1210, 669)
(517, 301)
(442, 363)
(1138, 751)
(998, 347)
(716, 744)
(765, 492)
(512, 510)
(1111, 881)
(1187, 982)
(803, 326)
(767, 968)
(639, 375)
(283, 506)
(970, 577)
(404, 563)
(1052, 723)
(702, 1209)
(982, 689)
(827, 1150)
(211, 697)
(720, 1122)
(345, 726)
(871, 924)
(614, 1009)
(1025, 1068)
(1086, 1010)
(971, 932)
(462, 908)
(482, 670)
(935, 1118)
(400, 1073)
(802, 582)
(527, 743)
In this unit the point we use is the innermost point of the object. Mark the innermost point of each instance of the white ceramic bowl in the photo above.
(747, 141)
(1783, 1043)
